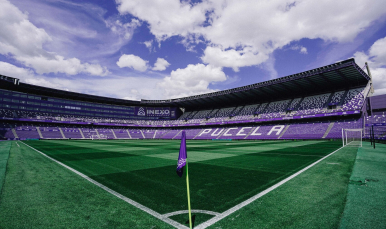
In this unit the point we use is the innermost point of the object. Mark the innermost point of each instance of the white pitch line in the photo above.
(253, 198)
(187, 211)
(130, 201)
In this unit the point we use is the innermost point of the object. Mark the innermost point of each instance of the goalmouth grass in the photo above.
(222, 174)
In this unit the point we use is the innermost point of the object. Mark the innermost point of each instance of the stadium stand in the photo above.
(257, 111)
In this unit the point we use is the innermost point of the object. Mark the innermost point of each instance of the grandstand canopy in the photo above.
(342, 75)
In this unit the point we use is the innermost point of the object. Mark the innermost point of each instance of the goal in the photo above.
(352, 137)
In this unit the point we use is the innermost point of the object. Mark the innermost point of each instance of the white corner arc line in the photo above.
(167, 215)
(257, 196)
(120, 196)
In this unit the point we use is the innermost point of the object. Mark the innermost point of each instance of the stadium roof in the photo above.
(13, 84)
(338, 76)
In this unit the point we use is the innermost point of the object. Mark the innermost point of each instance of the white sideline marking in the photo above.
(253, 198)
(17, 144)
(187, 211)
(130, 201)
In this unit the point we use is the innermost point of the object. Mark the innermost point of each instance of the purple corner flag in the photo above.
(182, 156)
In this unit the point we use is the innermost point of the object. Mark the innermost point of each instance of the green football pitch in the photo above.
(224, 175)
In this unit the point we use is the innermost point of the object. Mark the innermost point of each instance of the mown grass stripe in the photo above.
(257, 196)
(130, 201)
(5, 147)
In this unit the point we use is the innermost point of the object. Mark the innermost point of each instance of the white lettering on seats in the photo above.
(278, 129)
(216, 134)
(240, 133)
(226, 132)
(254, 131)
(206, 131)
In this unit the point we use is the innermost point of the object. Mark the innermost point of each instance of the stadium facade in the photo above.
(314, 104)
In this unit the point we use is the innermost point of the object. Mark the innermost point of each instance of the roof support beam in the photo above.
(301, 87)
(287, 88)
(343, 77)
(311, 82)
(265, 93)
(275, 90)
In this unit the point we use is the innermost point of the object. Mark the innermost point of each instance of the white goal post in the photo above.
(352, 137)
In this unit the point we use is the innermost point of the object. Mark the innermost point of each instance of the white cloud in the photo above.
(23, 41)
(26, 75)
(376, 58)
(245, 33)
(132, 87)
(132, 61)
(125, 30)
(11, 70)
(303, 50)
(148, 44)
(192, 80)
(166, 18)
(160, 65)
(231, 58)
(378, 52)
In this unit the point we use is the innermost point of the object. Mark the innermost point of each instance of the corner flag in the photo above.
(181, 163)
(182, 157)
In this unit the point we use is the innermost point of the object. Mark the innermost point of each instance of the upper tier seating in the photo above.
(313, 104)
(354, 99)
(202, 114)
(294, 104)
(337, 97)
(275, 109)
(185, 115)
(246, 112)
(224, 112)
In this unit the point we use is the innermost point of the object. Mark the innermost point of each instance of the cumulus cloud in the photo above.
(246, 33)
(26, 75)
(132, 87)
(160, 65)
(123, 29)
(23, 41)
(232, 58)
(166, 18)
(192, 80)
(376, 58)
(132, 61)
(148, 44)
(302, 49)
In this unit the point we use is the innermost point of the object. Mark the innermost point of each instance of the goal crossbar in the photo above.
(352, 137)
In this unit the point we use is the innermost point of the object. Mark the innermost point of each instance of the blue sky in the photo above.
(147, 49)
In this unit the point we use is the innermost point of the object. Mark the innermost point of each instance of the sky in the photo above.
(164, 49)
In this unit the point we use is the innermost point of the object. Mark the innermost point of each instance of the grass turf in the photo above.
(314, 199)
(366, 199)
(5, 147)
(222, 174)
(38, 193)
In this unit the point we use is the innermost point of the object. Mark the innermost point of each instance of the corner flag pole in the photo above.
(181, 163)
(187, 187)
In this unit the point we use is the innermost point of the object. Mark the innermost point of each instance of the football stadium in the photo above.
(300, 151)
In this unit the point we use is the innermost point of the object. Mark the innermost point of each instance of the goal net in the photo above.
(352, 137)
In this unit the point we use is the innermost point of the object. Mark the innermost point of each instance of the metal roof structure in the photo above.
(13, 84)
(342, 75)
(335, 77)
